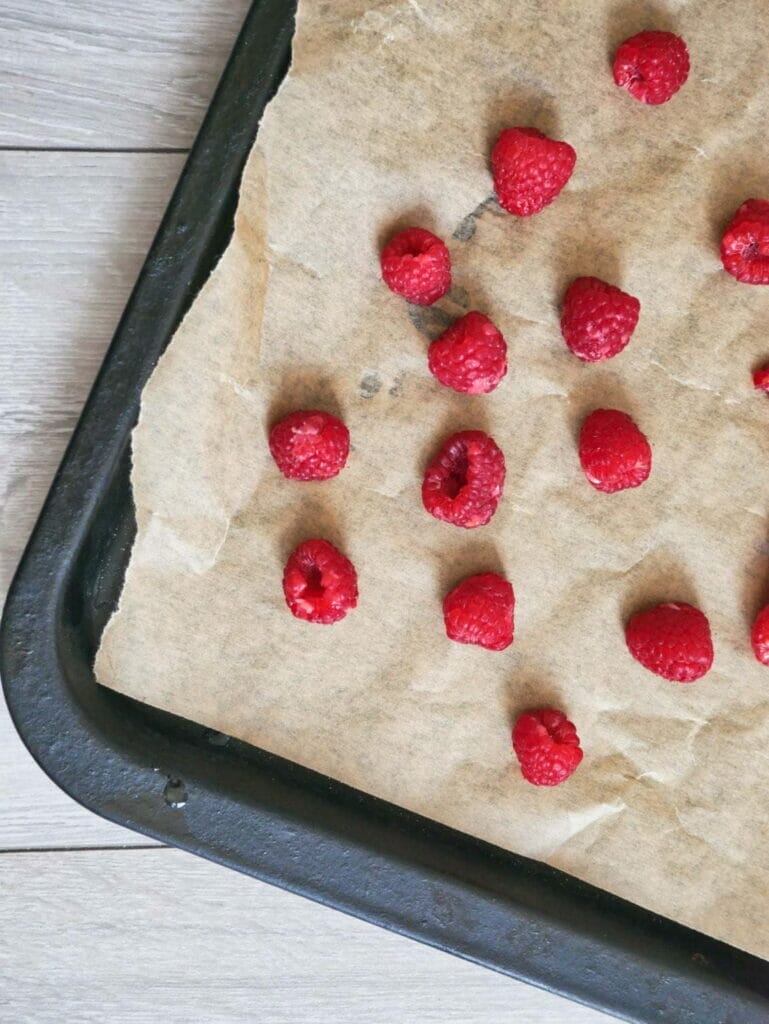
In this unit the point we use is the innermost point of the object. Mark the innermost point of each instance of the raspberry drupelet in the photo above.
(479, 610)
(417, 266)
(547, 747)
(310, 445)
(463, 484)
(319, 583)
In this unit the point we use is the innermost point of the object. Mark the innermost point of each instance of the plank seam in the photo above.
(90, 149)
(84, 849)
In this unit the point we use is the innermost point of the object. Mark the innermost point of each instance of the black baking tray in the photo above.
(232, 803)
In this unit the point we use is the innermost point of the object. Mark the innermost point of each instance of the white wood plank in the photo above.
(140, 936)
(74, 230)
(128, 73)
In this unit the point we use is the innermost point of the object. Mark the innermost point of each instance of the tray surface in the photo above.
(239, 806)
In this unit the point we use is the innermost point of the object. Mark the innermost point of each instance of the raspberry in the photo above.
(547, 747)
(479, 610)
(310, 445)
(470, 357)
(463, 483)
(671, 640)
(319, 583)
(652, 66)
(759, 636)
(745, 245)
(761, 379)
(597, 319)
(613, 452)
(416, 264)
(529, 169)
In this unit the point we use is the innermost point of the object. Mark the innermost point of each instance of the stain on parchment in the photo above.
(370, 385)
(465, 230)
(430, 320)
(396, 388)
(460, 296)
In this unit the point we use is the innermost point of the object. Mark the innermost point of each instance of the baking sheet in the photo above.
(386, 119)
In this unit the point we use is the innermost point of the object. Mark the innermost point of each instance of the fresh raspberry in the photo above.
(479, 610)
(671, 640)
(463, 484)
(652, 66)
(745, 245)
(416, 264)
(547, 747)
(613, 452)
(319, 583)
(529, 169)
(597, 319)
(761, 379)
(470, 357)
(759, 636)
(310, 445)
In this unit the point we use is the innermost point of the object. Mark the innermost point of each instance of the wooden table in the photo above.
(100, 102)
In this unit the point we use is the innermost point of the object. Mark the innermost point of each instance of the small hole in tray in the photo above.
(175, 793)
(216, 739)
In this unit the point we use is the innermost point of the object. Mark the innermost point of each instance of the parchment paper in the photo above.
(386, 119)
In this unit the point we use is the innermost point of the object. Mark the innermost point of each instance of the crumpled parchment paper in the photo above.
(386, 119)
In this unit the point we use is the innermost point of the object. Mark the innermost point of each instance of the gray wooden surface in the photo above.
(97, 101)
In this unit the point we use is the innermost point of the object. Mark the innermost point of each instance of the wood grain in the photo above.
(74, 231)
(143, 936)
(111, 75)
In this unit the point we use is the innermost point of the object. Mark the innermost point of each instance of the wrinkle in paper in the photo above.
(386, 119)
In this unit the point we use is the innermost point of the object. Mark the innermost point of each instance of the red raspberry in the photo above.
(759, 636)
(671, 640)
(529, 169)
(470, 357)
(310, 445)
(547, 747)
(416, 264)
(597, 319)
(463, 483)
(319, 583)
(479, 610)
(652, 66)
(745, 245)
(761, 379)
(614, 453)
